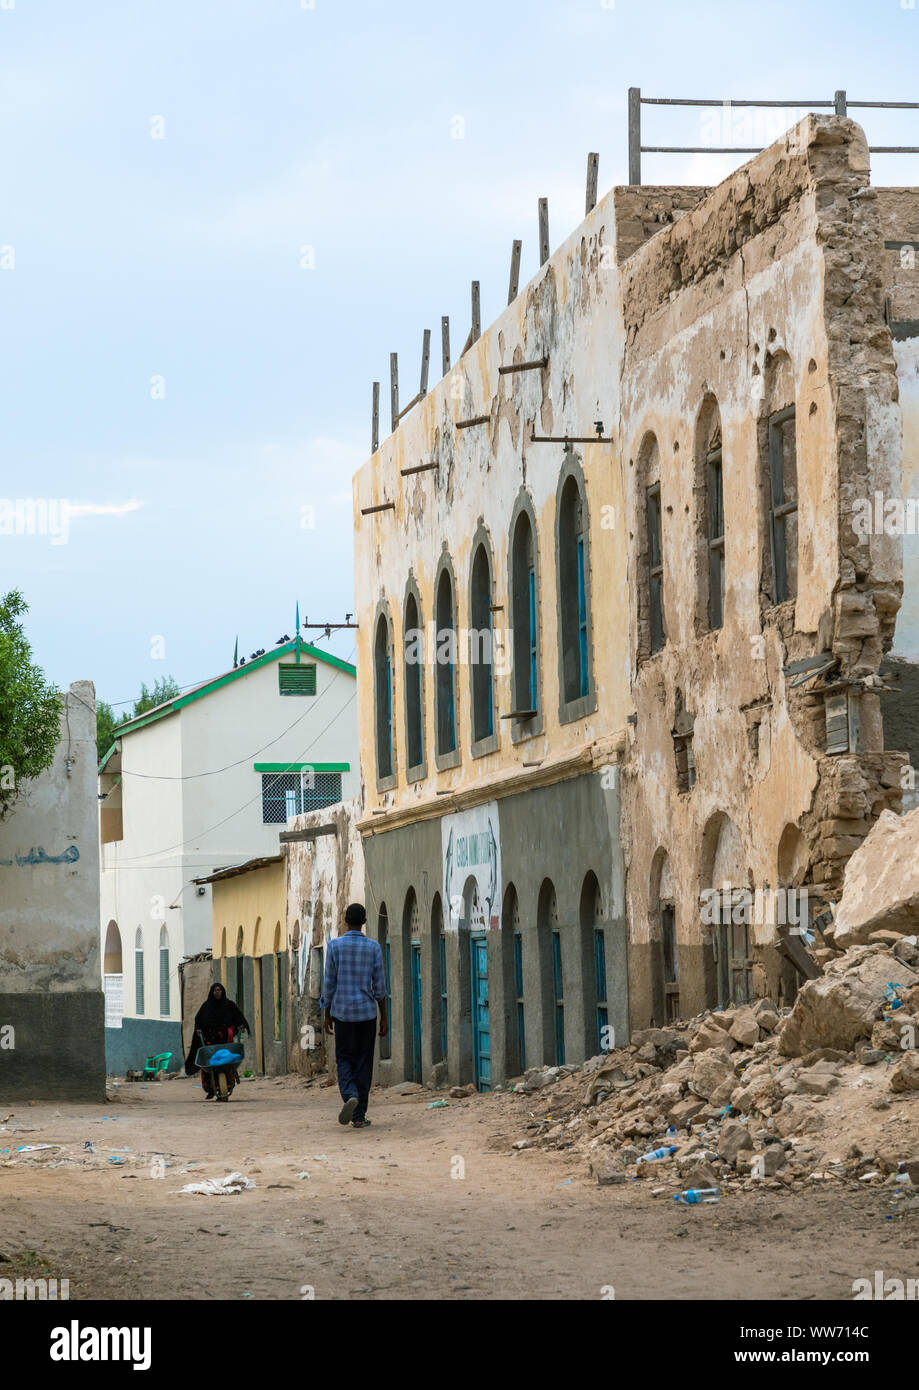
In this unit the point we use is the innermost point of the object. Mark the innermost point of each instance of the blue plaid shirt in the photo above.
(354, 978)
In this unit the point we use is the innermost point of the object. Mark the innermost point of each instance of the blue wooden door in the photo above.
(416, 1011)
(518, 986)
(600, 990)
(481, 1027)
(559, 999)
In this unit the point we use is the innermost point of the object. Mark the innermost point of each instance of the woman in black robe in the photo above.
(219, 1020)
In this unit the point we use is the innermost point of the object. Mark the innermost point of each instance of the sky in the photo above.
(218, 218)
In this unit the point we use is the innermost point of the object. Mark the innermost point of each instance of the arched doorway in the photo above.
(411, 975)
(728, 910)
(383, 939)
(476, 953)
(551, 976)
(512, 954)
(240, 972)
(593, 968)
(665, 966)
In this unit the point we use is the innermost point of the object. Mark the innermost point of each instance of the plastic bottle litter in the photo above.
(694, 1196)
(664, 1152)
(437, 1105)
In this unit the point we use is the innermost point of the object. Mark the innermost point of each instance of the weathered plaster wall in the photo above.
(50, 962)
(766, 295)
(323, 876)
(570, 312)
(563, 834)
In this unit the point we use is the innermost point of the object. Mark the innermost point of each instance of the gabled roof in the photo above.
(208, 687)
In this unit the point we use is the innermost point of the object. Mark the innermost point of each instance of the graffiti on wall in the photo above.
(39, 855)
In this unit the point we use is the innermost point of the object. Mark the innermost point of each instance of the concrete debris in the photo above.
(881, 886)
(751, 1094)
(906, 1074)
(842, 1006)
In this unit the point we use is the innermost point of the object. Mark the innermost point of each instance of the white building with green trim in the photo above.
(200, 783)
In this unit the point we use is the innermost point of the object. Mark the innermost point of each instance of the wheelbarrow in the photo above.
(219, 1061)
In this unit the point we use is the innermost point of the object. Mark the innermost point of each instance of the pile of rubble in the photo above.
(740, 1097)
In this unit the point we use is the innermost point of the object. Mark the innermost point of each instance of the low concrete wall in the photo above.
(128, 1047)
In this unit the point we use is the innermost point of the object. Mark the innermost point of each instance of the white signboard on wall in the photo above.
(471, 849)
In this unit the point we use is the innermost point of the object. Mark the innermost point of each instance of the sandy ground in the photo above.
(424, 1204)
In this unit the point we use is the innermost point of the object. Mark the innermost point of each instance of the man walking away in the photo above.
(354, 984)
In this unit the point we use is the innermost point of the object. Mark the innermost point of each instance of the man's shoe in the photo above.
(359, 1124)
(347, 1110)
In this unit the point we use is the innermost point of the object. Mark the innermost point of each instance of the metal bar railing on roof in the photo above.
(840, 105)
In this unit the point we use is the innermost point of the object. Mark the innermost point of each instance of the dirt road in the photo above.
(424, 1204)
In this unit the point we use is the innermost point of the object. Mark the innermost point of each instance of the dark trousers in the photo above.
(354, 1045)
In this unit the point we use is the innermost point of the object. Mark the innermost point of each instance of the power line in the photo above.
(258, 796)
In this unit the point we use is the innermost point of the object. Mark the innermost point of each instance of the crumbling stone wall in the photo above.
(771, 286)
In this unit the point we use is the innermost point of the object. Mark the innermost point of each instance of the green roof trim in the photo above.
(302, 767)
(173, 706)
(103, 761)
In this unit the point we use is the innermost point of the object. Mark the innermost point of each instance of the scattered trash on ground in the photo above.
(219, 1187)
(753, 1096)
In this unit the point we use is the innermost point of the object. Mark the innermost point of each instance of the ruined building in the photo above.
(627, 631)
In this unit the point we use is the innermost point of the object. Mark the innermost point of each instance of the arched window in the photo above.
(112, 963)
(779, 473)
(710, 546)
(164, 973)
(139, 972)
(480, 646)
(113, 977)
(652, 628)
(382, 665)
(524, 617)
(573, 590)
(413, 637)
(445, 661)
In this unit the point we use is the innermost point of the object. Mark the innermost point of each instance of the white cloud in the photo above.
(103, 508)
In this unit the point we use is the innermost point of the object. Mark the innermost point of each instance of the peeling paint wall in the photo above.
(324, 875)
(768, 295)
(677, 317)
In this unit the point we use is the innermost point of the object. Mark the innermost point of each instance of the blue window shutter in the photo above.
(582, 616)
(164, 983)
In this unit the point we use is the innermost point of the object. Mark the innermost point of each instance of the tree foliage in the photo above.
(30, 706)
(107, 726)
